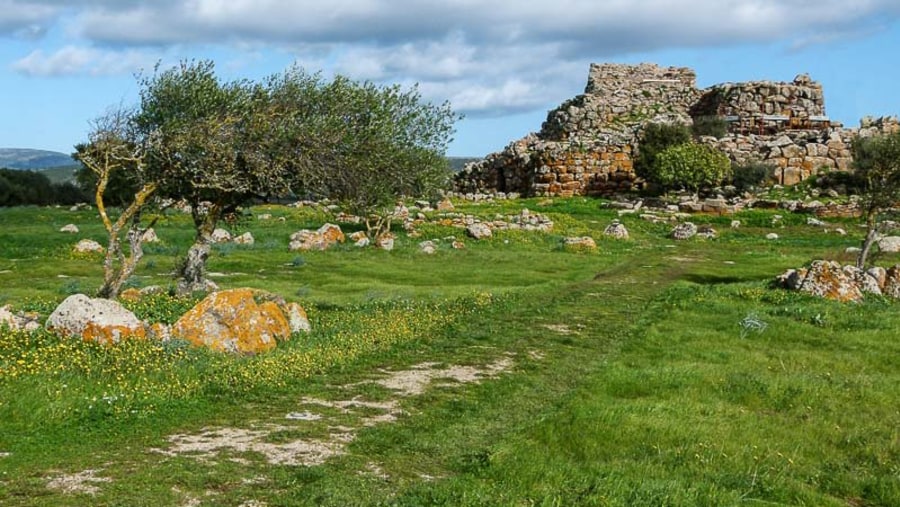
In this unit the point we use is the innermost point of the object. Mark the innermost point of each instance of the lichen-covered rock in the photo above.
(458, 245)
(445, 205)
(825, 279)
(428, 247)
(479, 231)
(332, 233)
(683, 231)
(220, 236)
(99, 320)
(88, 246)
(580, 243)
(616, 230)
(865, 282)
(244, 239)
(385, 241)
(879, 274)
(233, 321)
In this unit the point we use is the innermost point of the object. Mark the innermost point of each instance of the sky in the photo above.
(501, 63)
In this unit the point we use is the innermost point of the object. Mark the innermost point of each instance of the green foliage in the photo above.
(656, 138)
(691, 166)
(714, 126)
(877, 163)
(24, 188)
(750, 176)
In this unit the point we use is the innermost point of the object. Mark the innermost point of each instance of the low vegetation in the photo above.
(647, 372)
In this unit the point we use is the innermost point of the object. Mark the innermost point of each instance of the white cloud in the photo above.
(79, 60)
(488, 58)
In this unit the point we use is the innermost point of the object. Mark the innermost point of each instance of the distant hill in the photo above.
(458, 163)
(23, 158)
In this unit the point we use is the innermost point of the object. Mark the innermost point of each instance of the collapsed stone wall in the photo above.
(587, 145)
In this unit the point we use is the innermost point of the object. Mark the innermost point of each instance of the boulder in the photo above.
(865, 282)
(684, 231)
(889, 244)
(580, 243)
(616, 230)
(88, 246)
(220, 236)
(233, 321)
(70, 228)
(825, 279)
(307, 240)
(95, 319)
(356, 236)
(879, 274)
(244, 239)
(479, 231)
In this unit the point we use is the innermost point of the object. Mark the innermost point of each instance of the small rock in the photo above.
(88, 246)
(684, 231)
(385, 241)
(840, 232)
(707, 232)
(150, 236)
(815, 222)
(889, 244)
(771, 236)
(71, 228)
(264, 216)
(458, 245)
(244, 239)
(297, 319)
(220, 236)
(479, 231)
(735, 224)
(580, 243)
(362, 242)
(616, 230)
(428, 247)
(445, 205)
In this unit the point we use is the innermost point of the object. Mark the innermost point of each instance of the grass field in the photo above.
(513, 372)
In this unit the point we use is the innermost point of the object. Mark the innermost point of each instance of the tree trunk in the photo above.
(192, 273)
(871, 235)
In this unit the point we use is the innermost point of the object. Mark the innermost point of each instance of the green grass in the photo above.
(631, 380)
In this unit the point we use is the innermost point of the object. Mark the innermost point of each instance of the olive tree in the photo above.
(115, 150)
(212, 150)
(365, 145)
(877, 162)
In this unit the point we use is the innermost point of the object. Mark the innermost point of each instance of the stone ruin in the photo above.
(588, 144)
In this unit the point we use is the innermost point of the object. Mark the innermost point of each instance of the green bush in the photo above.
(714, 126)
(751, 175)
(658, 137)
(690, 166)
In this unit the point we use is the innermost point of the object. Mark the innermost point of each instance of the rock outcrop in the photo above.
(831, 280)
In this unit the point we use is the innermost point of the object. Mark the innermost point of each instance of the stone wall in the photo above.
(587, 145)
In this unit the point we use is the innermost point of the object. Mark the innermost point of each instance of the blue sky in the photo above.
(502, 63)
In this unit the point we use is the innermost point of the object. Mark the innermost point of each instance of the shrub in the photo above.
(657, 137)
(751, 175)
(690, 166)
(714, 126)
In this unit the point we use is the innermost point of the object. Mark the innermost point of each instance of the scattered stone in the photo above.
(771, 236)
(362, 242)
(220, 236)
(88, 246)
(852, 250)
(356, 236)
(616, 230)
(332, 233)
(815, 222)
(321, 239)
(735, 224)
(707, 232)
(458, 245)
(385, 241)
(825, 279)
(479, 231)
(840, 232)
(70, 228)
(20, 321)
(244, 239)
(580, 243)
(445, 205)
(95, 319)
(232, 321)
(264, 216)
(879, 274)
(428, 247)
(684, 231)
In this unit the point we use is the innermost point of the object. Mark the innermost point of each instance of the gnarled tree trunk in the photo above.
(192, 273)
